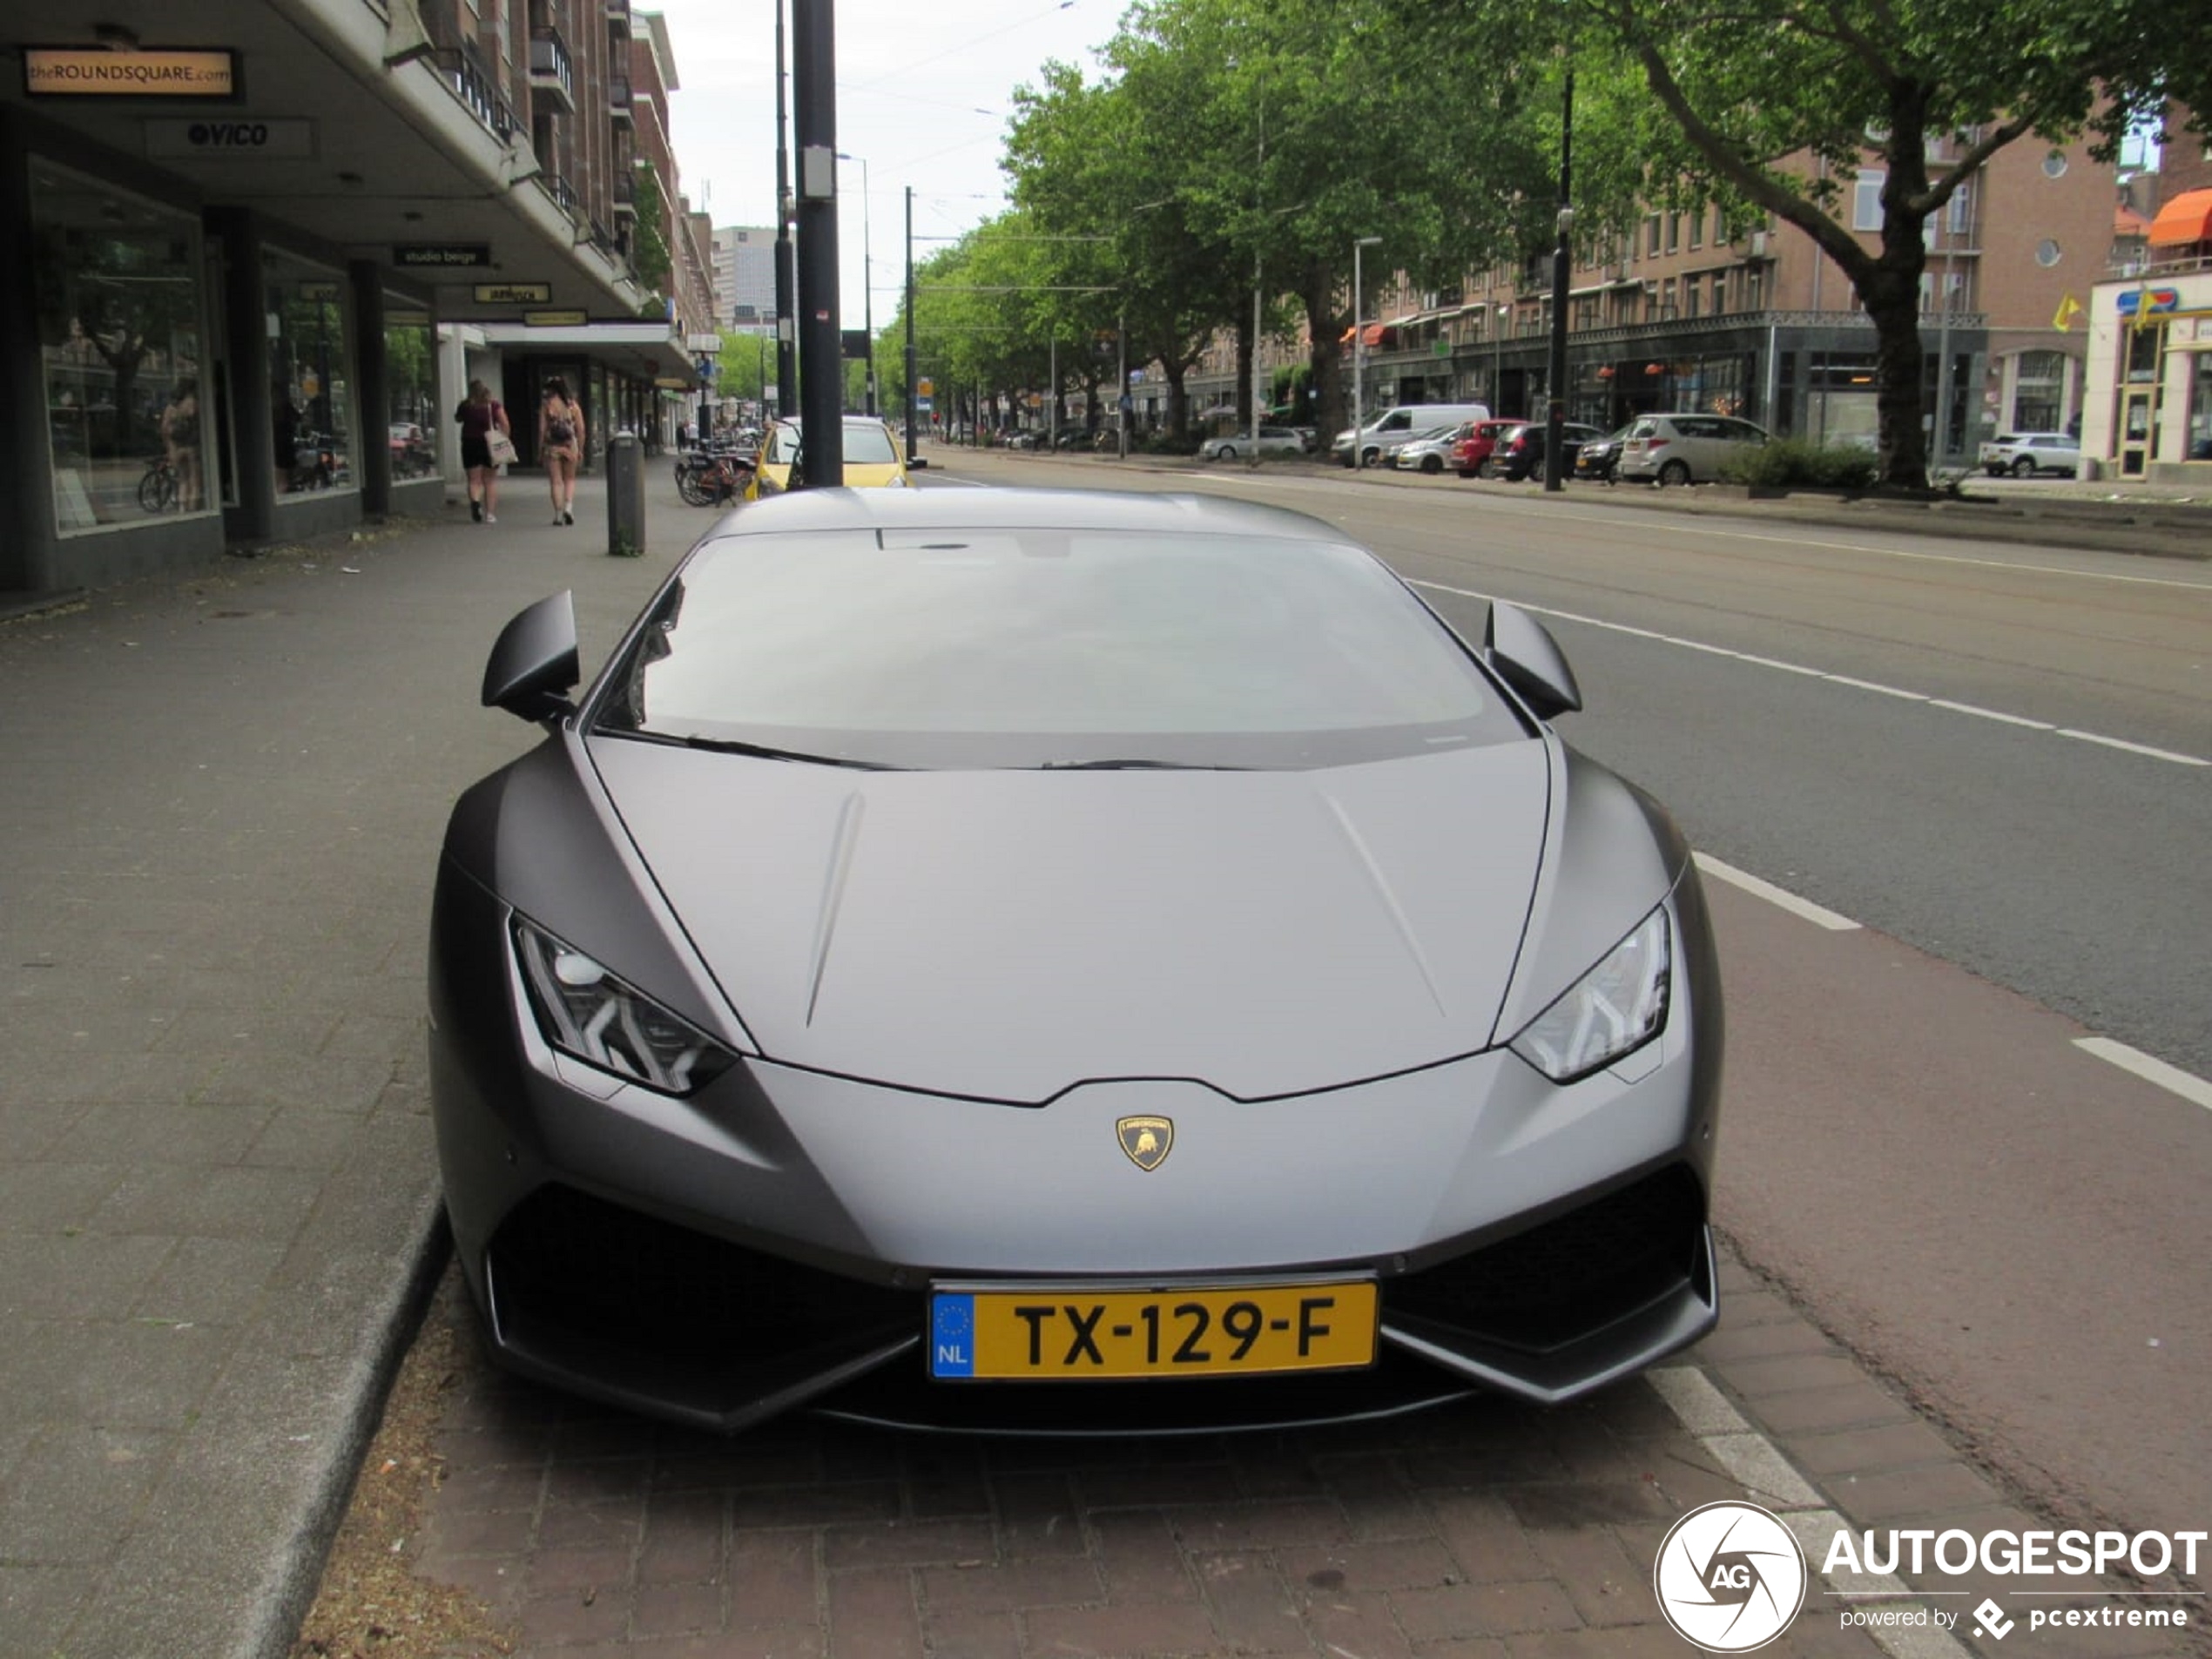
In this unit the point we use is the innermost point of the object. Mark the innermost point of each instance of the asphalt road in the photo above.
(1922, 737)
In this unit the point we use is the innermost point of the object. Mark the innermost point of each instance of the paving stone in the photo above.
(910, 1543)
(875, 1612)
(1485, 1610)
(1001, 1587)
(1122, 1631)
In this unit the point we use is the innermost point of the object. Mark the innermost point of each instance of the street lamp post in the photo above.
(1498, 361)
(1358, 351)
(867, 278)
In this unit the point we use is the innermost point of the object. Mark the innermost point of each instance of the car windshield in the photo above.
(867, 444)
(951, 648)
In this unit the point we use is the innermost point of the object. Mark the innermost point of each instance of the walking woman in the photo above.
(479, 417)
(560, 440)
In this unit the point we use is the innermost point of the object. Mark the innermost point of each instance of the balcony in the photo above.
(625, 195)
(552, 73)
(618, 16)
(618, 98)
(464, 72)
(561, 191)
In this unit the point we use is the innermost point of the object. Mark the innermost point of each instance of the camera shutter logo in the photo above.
(1729, 1577)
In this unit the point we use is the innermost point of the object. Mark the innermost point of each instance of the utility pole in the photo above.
(821, 366)
(1555, 414)
(786, 275)
(910, 325)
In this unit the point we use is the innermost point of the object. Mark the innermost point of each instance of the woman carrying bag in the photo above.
(560, 441)
(486, 444)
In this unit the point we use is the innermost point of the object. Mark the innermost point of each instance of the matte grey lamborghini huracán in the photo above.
(1025, 961)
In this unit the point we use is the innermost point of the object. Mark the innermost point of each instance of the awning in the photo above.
(2187, 219)
(2126, 221)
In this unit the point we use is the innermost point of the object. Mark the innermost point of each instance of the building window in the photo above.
(410, 388)
(1674, 232)
(311, 412)
(1720, 293)
(1689, 296)
(1961, 211)
(1866, 200)
(2143, 345)
(2039, 392)
(1754, 287)
(1697, 230)
(1651, 235)
(118, 292)
(2054, 164)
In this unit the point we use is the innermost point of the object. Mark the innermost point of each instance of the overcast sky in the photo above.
(924, 89)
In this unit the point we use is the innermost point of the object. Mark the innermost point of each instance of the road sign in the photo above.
(924, 404)
(925, 387)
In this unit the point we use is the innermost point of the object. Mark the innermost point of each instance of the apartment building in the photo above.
(744, 275)
(266, 243)
(1695, 310)
(2148, 330)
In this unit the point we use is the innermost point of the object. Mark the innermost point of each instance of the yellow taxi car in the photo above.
(873, 459)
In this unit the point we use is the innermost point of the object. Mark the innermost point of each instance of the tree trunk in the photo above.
(1323, 325)
(1178, 399)
(1893, 302)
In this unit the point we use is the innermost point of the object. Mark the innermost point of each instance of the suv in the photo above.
(2024, 453)
(1684, 449)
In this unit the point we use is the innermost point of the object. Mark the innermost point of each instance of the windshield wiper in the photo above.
(1138, 764)
(759, 751)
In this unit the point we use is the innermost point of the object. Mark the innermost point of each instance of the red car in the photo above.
(1471, 454)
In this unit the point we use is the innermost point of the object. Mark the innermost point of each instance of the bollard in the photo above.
(625, 496)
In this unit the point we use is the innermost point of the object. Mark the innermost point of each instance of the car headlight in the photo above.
(584, 1010)
(1615, 1008)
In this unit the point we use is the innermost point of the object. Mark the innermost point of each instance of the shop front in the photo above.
(2148, 413)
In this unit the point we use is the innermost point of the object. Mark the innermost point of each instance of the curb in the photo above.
(326, 1488)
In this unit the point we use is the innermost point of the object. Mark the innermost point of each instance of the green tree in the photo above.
(1783, 103)
(649, 255)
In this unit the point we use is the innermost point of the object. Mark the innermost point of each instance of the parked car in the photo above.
(1471, 454)
(1596, 459)
(1379, 437)
(1519, 453)
(1405, 1099)
(2024, 453)
(1275, 442)
(1684, 449)
(1426, 451)
(872, 458)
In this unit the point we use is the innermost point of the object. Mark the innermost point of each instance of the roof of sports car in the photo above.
(1079, 509)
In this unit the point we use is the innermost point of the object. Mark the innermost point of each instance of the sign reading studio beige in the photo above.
(95, 71)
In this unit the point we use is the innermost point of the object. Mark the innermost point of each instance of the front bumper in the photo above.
(770, 1241)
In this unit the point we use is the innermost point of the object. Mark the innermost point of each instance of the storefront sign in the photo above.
(279, 138)
(556, 318)
(440, 256)
(2139, 302)
(94, 71)
(512, 293)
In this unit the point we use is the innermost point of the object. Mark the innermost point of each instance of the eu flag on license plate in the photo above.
(952, 1336)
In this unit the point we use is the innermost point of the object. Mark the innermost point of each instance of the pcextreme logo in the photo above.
(1729, 1577)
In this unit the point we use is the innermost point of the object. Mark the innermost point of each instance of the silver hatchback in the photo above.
(1684, 449)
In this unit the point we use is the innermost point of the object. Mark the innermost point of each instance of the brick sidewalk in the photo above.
(226, 794)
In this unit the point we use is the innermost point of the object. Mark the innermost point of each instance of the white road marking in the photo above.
(2170, 756)
(1990, 714)
(1790, 901)
(2187, 1085)
(2134, 748)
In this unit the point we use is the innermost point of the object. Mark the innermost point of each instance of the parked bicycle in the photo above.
(712, 477)
(158, 490)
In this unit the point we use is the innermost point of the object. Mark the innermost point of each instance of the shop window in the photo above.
(116, 288)
(411, 388)
(311, 413)
(2142, 346)
(2199, 432)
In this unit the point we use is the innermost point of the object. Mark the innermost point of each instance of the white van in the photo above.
(1381, 436)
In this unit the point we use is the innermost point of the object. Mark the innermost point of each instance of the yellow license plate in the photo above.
(1080, 1332)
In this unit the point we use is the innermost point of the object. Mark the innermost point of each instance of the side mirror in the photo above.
(1529, 659)
(533, 663)
(917, 463)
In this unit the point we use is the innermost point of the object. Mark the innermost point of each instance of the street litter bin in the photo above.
(625, 495)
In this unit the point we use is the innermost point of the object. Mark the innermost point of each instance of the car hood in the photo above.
(1009, 934)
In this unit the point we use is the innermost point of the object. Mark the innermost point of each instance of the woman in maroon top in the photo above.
(478, 415)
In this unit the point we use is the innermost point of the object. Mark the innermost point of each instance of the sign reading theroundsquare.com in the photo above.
(94, 71)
